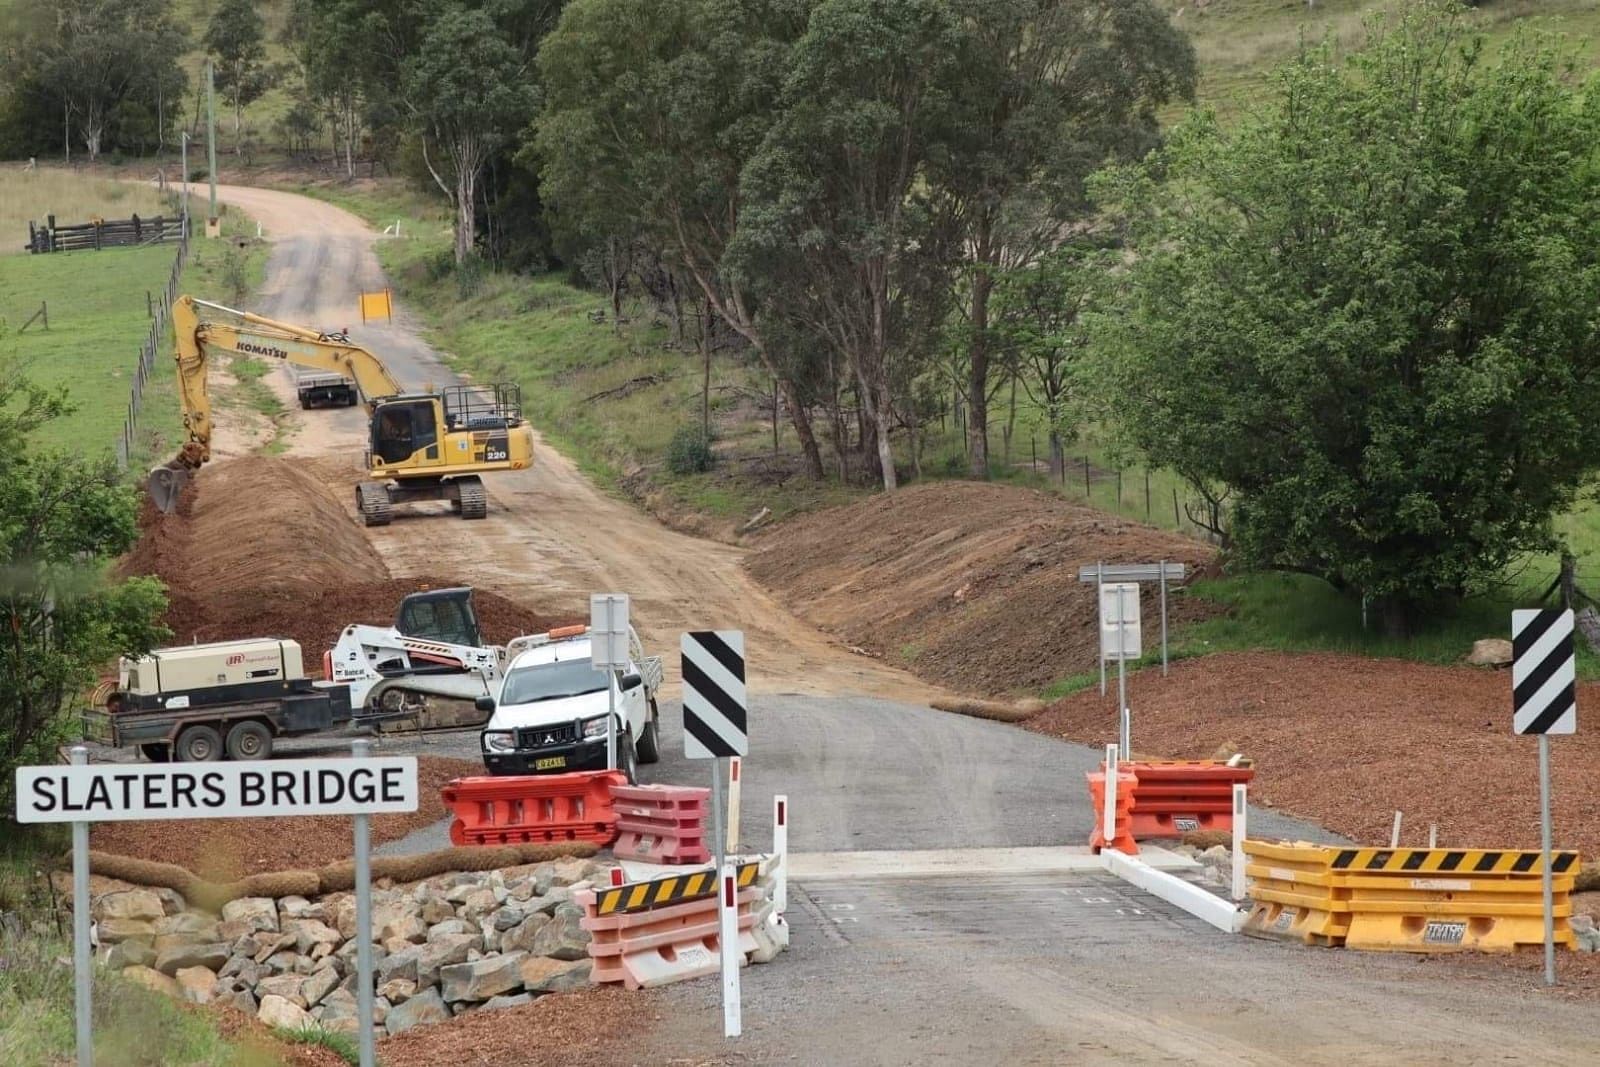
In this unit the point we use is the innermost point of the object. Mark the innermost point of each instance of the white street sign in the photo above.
(608, 631)
(112, 792)
(1119, 621)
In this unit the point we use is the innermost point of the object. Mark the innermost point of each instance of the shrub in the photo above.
(689, 451)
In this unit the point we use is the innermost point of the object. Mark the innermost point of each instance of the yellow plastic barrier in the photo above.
(1292, 887)
(1407, 900)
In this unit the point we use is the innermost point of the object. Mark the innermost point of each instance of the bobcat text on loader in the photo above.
(422, 446)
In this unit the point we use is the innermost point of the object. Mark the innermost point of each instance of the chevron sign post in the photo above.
(715, 727)
(1544, 682)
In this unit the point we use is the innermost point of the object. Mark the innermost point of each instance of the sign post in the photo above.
(82, 951)
(361, 748)
(608, 649)
(1544, 679)
(716, 727)
(80, 793)
(1120, 640)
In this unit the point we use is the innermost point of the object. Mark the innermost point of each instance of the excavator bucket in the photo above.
(165, 485)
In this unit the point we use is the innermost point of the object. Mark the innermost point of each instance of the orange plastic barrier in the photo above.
(535, 808)
(1127, 782)
(1174, 797)
(665, 944)
(661, 823)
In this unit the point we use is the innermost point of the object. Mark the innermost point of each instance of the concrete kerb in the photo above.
(1225, 915)
(843, 866)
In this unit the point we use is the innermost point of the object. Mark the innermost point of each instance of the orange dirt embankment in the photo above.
(968, 585)
(1347, 741)
(262, 547)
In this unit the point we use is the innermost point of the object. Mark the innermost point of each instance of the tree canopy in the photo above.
(1366, 310)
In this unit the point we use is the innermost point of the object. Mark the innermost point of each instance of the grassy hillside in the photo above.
(1239, 41)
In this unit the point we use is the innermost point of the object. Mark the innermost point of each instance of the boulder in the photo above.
(407, 927)
(504, 919)
(245, 969)
(111, 931)
(520, 889)
(272, 945)
(543, 878)
(192, 925)
(451, 927)
(278, 1012)
(427, 1007)
(399, 965)
(567, 871)
(563, 937)
(138, 904)
(213, 956)
(344, 915)
(319, 985)
(130, 954)
(548, 902)
(304, 965)
(458, 893)
(437, 954)
(478, 903)
(283, 962)
(309, 933)
(395, 944)
(259, 912)
(482, 979)
(171, 900)
(515, 1000)
(543, 975)
(296, 907)
(240, 1000)
(398, 990)
(196, 984)
(1490, 652)
(520, 937)
(153, 979)
(287, 986)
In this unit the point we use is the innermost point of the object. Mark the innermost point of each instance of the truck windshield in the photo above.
(552, 681)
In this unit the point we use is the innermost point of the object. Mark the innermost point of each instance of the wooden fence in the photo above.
(103, 233)
(155, 342)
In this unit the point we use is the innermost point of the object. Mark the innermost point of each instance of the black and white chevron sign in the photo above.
(714, 708)
(1544, 673)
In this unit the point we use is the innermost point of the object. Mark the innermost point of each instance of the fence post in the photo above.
(1086, 477)
(1147, 493)
(138, 235)
(1177, 519)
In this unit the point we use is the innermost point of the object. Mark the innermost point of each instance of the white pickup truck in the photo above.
(549, 716)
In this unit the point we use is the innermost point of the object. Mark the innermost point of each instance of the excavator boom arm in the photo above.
(256, 335)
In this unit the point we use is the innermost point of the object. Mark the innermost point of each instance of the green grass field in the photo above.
(30, 196)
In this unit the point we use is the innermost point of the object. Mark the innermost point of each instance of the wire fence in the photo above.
(154, 341)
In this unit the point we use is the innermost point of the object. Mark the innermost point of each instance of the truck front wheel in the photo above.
(627, 759)
(198, 744)
(249, 740)
(649, 748)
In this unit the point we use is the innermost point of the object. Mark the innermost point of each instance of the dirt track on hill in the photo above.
(972, 586)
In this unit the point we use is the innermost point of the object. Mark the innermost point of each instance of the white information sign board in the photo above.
(1119, 621)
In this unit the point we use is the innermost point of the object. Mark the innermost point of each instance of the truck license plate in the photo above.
(550, 763)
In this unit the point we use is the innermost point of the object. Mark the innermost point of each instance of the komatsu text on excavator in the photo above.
(423, 446)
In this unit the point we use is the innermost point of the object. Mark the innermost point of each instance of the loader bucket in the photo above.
(165, 485)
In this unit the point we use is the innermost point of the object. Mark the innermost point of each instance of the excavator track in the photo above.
(473, 500)
(372, 498)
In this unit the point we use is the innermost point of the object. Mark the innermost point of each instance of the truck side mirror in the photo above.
(631, 681)
(484, 703)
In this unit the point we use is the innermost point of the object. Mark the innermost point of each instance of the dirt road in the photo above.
(551, 537)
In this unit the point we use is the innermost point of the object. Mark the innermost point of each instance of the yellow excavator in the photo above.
(423, 446)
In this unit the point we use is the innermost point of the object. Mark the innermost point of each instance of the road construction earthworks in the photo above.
(975, 588)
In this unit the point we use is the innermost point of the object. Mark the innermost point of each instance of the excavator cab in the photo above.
(402, 428)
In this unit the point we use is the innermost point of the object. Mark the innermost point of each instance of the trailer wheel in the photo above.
(156, 753)
(249, 740)
(198, 744)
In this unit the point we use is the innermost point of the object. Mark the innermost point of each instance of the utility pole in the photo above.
(184, 151)
(213, 227)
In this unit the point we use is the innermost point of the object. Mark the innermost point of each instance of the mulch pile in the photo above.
(1347, 741)
(968, 585)
(260, 547)
(222, 850)
(558, 1029)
